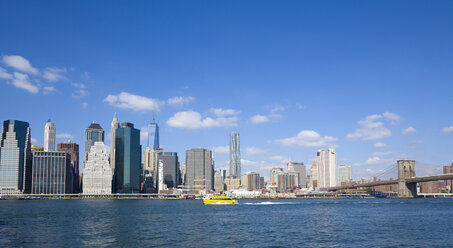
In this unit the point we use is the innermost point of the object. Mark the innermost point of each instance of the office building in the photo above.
(219, 184)
(254, 181)
(151, 164)
(274, 174)
(344, 173)
(235, 155)
(199, 170)
(170, 169)
(97, 174)
(127, 159)
(113, 126)
(153, 135)
(314, 175)
(49, 137)
(301, 173)
(231, 183)
(286, 181)
(73, 150)
(327, 175)
(52, 173)
(15, 157)
(94, 133)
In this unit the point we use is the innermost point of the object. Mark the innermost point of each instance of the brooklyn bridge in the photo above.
(407, 180)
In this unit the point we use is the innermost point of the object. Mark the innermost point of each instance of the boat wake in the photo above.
(269, 203)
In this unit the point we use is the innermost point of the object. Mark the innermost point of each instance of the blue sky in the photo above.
(372, 79)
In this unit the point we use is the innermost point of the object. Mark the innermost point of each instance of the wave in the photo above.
(269, 203)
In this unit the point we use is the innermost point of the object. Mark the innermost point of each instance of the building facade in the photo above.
(254, 181)
(73, 150)
(235, 155)
(314, 175)
(127, 159)
(286, 181)
(15, 157)
(274, 174)
(52, 173)
(301, 170)
(151, 164)
(231, 183)
(153, 135)
(94, 133)
(344, 173)
(170, 171)
(199, 170)
(327, 174)
(219, 184)
(97, 175)
(113, 126)
(49, 137)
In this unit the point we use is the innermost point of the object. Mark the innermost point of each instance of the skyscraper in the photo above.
(15, 157)
(127, 159)
(153, 135)
(327, 175)
(49, 137)
(113, 127)
(314, 175)
(235, 155)
(171, 171)
(93, 133)
(344, 173)
(301, 171)
(52, 173)
(73, 150)
(97, 175)
(199, 170)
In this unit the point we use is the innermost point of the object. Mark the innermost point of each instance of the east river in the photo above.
(252, 223)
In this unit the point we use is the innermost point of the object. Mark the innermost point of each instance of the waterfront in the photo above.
(252, 223)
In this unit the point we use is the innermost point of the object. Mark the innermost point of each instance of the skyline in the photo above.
(286, 77)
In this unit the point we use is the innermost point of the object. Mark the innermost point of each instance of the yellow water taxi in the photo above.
(218, 199)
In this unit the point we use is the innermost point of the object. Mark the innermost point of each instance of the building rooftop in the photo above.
(95, 126)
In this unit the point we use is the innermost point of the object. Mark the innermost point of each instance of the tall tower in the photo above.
(15, 157)
(93, 134)
(153, 135)
(127, 159)
(49, 137)
(113, 127)
(327, 174)
(235, 155)
(199, 170)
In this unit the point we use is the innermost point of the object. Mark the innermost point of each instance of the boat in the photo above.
(218, 199)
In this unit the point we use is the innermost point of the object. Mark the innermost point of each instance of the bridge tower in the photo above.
(406, 169)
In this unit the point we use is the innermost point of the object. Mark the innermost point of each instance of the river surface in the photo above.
(252, 223)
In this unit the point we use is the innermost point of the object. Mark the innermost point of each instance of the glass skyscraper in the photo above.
(94, 133)
(235, 155)
(15, 157)
(127, 159)
(153, 135)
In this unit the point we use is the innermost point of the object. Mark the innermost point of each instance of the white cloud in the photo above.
(383, 154)
(34, 141)
(245, 162)
(379, 144)
(251, 151)
(377, 160)
(277, 158)
(180, 100)
(64, 136)
(129, 101)
(257, 119)
(371, 129)
(80, 90)
(391, 117)
(223, 112)
(54, 74)
(49, 89)
(307, 138)
(84, 105)
(448, 129)
(19, 63)
(221, 149)
(300, 107)
(4, 74)
(274, 114)
(193, 120)
(408, 130)
(22, 81)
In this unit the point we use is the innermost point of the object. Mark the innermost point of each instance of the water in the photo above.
(252, 223)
